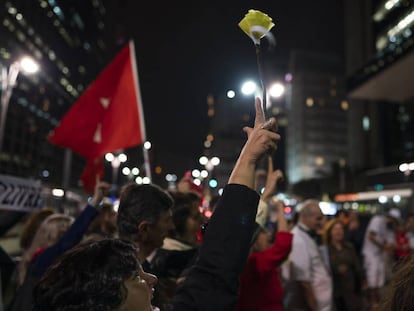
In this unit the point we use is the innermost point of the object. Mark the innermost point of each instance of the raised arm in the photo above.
(213, 281)
(74, 234)
(260, 139)
(273, 177)
(272, 257)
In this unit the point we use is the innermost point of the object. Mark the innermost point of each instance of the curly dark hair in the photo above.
(88, 277)
(140, 203)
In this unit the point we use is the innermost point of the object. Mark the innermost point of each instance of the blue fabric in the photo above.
(22, 300)
(72, 237)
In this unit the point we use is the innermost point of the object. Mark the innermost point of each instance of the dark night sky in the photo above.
(186, 52)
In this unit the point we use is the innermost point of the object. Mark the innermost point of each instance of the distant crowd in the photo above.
(158, 251)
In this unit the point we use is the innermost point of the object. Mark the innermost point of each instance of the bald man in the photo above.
(310, 283)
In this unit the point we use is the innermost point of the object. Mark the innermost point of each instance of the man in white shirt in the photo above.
(379, 240)
(310, 283)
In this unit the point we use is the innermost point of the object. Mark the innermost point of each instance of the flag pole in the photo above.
(147, 164)
(145, 151)
(67, 165)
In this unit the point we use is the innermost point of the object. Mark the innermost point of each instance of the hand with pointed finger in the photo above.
(262, 138)
(272, 179)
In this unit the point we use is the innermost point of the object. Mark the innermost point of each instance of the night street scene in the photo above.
(213, 155)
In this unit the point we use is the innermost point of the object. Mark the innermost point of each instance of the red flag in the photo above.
(108, 116)
(92, 169)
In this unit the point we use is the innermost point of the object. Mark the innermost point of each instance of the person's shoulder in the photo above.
(300, 239)
(376, 221)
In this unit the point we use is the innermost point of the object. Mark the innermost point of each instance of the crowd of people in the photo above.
(159, 252)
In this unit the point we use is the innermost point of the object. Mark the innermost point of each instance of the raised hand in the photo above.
(272, 179)
(101, 189)
(261, 139)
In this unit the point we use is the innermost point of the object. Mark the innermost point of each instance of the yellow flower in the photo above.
(256, 24)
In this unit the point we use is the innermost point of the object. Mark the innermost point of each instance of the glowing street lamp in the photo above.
(115, 161)
(277, 90)
(8, 82)
(249, 88)
(406, 168)
(209, 165)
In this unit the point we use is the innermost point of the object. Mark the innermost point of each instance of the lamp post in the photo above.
(147, 166)
(115, 161)
(8, 82)
(209, 165)
(406, 169)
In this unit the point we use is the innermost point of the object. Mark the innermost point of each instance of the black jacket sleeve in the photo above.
(212, 282)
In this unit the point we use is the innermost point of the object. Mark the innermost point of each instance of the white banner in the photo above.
(19, 194)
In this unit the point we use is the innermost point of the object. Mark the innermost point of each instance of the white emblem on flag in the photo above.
(105, 102)
(97, 138)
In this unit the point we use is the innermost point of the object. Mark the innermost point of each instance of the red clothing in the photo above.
(402, 241)
(260, 287)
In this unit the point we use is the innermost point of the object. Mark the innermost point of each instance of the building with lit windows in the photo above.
(71, 44)
(229, 112)
(317, 111)
(379, 51)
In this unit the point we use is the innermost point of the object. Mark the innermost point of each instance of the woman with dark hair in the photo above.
(345, 267)
(96, 275)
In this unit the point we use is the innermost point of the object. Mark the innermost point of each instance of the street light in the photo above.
(209, 165)
(8, 82)
(249, 88)
(276, 90)
(406, 168)
(115, 161)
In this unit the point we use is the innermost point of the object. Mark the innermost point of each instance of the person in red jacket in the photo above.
(402, 243)
(260, 286)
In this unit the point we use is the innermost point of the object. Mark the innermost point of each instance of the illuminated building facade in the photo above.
(70, 42)
(317, 116)
(379, 44)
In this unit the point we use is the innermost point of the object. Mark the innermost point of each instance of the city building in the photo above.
(379, 67)
(71, 43)
(317, 114)
(229, 112)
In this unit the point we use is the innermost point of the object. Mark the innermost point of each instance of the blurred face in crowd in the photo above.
(400, 227)
(158, 231)
(410, 223)
(140, 290)
(313, 218)
(262, 242)
(391, 222)
(194, 220)
(337, 232)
